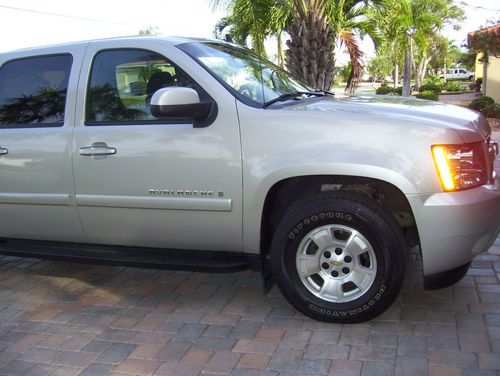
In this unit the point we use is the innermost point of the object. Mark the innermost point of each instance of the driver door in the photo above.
(141, 181)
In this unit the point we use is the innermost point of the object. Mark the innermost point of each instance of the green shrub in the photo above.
(453, 86)
(384, 90)
(492, 111)
(430, 87)
(389, 90)
(428, 94)
(479, 103)
(436, 80)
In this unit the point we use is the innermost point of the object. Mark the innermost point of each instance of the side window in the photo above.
(33, 91)
(122, 83)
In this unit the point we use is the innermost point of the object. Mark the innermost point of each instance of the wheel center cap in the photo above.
(335, 263)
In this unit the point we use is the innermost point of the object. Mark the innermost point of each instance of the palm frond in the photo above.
(356, 56)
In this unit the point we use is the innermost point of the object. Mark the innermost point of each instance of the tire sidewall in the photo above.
(376, 228)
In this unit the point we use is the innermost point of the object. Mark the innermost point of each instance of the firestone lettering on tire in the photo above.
(315, 218)
(351, 312)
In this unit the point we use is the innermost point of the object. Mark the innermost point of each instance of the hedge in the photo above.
(430, 87)
(428, 94)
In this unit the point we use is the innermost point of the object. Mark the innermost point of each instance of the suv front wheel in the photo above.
(339, 257)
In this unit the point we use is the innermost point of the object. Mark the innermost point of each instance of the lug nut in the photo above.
(338, 251)
(345, 270)
(327, 254)
(335, 273)
(348, 259)
(325, 265)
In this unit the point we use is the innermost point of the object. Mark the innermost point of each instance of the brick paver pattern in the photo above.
(76, 319)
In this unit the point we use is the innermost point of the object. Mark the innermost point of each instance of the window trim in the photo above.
(111, 123)
(164, 121)
(42, 125)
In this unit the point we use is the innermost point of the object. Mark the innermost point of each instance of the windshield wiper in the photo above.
(293, 94)
(326, 92)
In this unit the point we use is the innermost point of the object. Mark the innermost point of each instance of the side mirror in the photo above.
(179, 102)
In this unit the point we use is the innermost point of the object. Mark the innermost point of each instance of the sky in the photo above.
(27, 23)
(92, 19)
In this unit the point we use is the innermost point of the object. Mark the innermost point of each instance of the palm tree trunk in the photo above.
(310, 56)
(258, 45)
(420, 73)
(485, 59)
(281, 53)
(396, 75)
(407, 74)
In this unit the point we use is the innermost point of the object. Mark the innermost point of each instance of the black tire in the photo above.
(357, 215)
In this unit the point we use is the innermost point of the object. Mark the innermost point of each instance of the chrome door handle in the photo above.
(4, 151)
(90, 151)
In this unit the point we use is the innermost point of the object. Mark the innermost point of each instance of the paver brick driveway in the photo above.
(75, 319)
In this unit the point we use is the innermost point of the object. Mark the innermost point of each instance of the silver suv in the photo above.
(198, 154)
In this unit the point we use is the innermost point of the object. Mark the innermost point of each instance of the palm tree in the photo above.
(429, 17)
(350, 21)
(314, 27)
(252, 20)
(310, 55)
(412, 26)
(393, 18)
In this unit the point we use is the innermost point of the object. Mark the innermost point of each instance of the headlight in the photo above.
(460, 166)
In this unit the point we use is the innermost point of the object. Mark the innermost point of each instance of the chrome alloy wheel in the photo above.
(336, 263)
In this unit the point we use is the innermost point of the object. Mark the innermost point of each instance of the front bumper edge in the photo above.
(445, 279)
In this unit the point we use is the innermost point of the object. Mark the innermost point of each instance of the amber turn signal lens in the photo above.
(443, 166)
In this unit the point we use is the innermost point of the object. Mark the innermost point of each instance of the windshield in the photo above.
(252, 79)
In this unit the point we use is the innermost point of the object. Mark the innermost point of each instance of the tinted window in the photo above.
(33, 91)
(122, 83)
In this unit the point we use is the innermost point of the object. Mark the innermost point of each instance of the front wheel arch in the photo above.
(293, 189)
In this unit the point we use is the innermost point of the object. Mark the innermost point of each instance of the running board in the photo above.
(157, 258)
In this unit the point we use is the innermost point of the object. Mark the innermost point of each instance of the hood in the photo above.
(459, 118)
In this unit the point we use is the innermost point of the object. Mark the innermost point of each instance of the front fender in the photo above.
(255, 199)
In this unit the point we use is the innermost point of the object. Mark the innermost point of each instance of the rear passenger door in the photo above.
(143, 181)
(36, 125)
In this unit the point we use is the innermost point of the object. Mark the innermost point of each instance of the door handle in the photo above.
(4, 151)
(97, 149)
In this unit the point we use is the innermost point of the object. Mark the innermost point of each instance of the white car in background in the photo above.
(458, 74)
